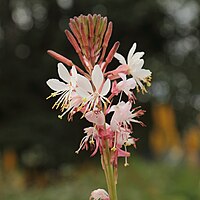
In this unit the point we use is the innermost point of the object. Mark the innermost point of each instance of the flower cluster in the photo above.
(91, 89)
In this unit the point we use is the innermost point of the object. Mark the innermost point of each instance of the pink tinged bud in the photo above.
(65, 60)
(108, 34)
(115, 90)
(91, 26)
(73, 41)
(96, 117)
(112, 52)
(75, 31)
(112, 75)
(99, 194)
(98, 21)
(106, 40)
(85, 41)
(111, 55)
(60, 57)
(102, 30)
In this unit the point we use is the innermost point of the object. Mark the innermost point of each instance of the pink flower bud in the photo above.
(99, 194)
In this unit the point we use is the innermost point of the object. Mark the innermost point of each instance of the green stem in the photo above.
(109, 172)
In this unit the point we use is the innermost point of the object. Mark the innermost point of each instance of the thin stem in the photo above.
(109, 172)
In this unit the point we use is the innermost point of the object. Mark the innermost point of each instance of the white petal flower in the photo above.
(95, 91)
(123, 136)
(123, 116)
(64, 89)
(91, 136)
(126, 85)
(135, 64)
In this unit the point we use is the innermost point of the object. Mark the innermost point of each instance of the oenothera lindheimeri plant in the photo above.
(91, 88)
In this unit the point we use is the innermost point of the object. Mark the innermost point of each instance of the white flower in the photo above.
(64, 89)
(95, 92)
(123, 116)
(135, 64)
(123, 136)
(126, 84)
(99, 194)
(91, 134)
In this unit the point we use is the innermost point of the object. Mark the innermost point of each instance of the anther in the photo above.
(60, 116)
(126, 164)
(113, 149)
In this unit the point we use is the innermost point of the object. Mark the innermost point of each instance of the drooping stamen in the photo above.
(60, 99)
(115, 142)
(120, 97)
(126, 158)
(64, 113)
(83, 141)
(52, 95)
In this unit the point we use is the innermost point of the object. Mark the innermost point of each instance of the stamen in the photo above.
(115, 141)
(84, 99)
(120, 97)
(126, 158)
(91, 141)
(60, 99)
(84, 139)
(52, 95)
(148, 84)
(137, 88)
(61, 116)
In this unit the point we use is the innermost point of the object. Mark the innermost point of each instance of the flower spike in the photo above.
(87, 90)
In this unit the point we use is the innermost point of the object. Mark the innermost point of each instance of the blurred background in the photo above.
(37, 159)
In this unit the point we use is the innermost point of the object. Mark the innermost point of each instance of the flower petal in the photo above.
(131, 52)
(57, 85)
(73, 77)
(82, 93)
(138, 55)
(142, 74)
(106, 88)
(97, 77)
(74, 72)
(137, 66)
(140, 64)
(120, 58)
(84, 83)
(112, 108)
(95, 117)
(122, 153)
(122, 76)
(131, 83)
(63, 73)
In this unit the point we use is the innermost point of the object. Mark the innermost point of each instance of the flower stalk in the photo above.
(91, 89)
(109, 170)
